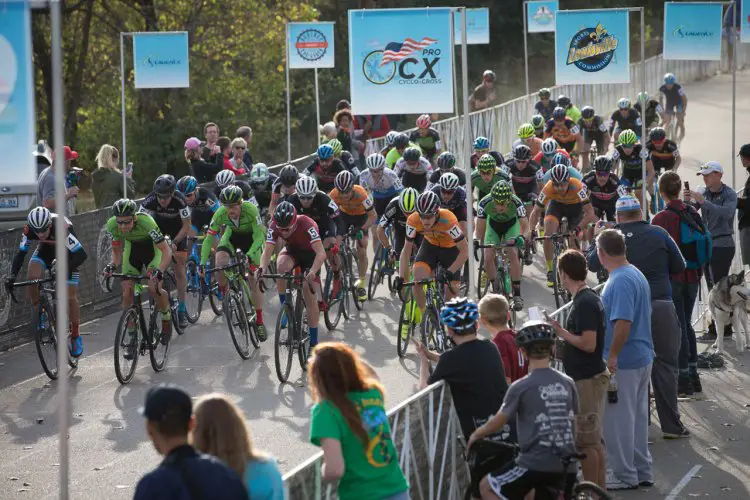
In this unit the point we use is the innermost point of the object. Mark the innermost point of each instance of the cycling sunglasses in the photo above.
(121, 222)
(602, 173)
(307, 198)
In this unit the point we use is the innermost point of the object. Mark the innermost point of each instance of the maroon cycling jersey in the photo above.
(302, 238)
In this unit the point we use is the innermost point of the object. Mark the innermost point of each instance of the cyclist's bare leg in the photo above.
(35, 272)
(156, 290)
(489, 263)
(311, 305)
(180, 275)
(585, 150)
(515, 265)
(74, 309)
(485, 490)
(127, 294)
(362, 262)
(421, 272)
(551, 225)
(255, 292)
(222, 259)
(333, 260)
(681, 125)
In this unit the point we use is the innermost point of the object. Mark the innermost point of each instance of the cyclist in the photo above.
(413, 169)
(481, 148)
(653, 110)
(561, 197)
(390, 137)
(325, 167)
(559, 158)
(452, 198)
(400, 143)
(284, 186)
(40, 226)
(545, 105)
(604, 188)
(630, 152)
(676, 102)
(171, 212)
(594, 130)
(527, 136)
(571, 110)
(538, 122)
(356, 211)
(427, 138)
(228, 178)
(395, 215)
(203, 204)
(663, 152)
(624, 118)
(302, 248)
(381, 182)
(564, 131)
(261, 182)
(446, 163)
(507, 221)
(544, 158)
(523, 174)
(345, 157)
(486, 175)
(144, 246)
(243, 231)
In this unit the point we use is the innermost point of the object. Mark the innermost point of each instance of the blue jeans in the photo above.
(684, 297)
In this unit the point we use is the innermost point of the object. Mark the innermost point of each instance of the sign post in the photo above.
(477, 33)
(538, 17)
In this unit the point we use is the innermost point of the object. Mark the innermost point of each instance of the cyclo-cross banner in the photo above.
(401, 61)
(692, 31)
(161, 60)
(592, 46)
(540, 15)
(310, 45)
(744, 13)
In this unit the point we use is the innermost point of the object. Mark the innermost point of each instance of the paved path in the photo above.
(110, 450)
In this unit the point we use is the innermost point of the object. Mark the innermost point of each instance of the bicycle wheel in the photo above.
(158, 345)
(346, 286)
(170, 287)
(302, 332)
(334, 309)
(46, 340)
(430, 332)
(194, 299)
(500, 284)
(357, 303)
(213, 296)
(557, 287)
(283, 343)
(481, 290)
(376, 271)
(127, 344)
(402, 343)
(236, 316)
(586, 490)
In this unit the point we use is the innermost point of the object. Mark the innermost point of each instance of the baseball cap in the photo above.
(709, 167)
(192, 143)
(165, 399)
(745, 151)
(627, 204)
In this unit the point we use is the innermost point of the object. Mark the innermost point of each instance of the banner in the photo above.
(161, 60)
(692, 31)
(592, 46)
(477, 26)
(540, 16)
(17, 118)
(309, 45)
(401, 61)
(744, 13)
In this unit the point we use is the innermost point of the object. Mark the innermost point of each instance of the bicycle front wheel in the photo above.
(431, 332)
(237, 323)
(158, 346)
(586, 490)
(355, 292)
(194, 299)
(46, 340)
(405, 326)
(283, 344)
(376, 271)
(302, 332)
(213, 296)
(127, 344)
(334, 310)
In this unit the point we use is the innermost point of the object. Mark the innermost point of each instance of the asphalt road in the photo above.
(109, 448)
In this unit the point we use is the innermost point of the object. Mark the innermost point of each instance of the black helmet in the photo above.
(446, 160)
(124, 208)
(164, 185)
(535, 332)
(657, 134)
(563, 101)
(412, 154)
(289, 175)
(603, 164)
(285, 214)
(522, 152)
(588, 112)
(558, 113)
(401, 141)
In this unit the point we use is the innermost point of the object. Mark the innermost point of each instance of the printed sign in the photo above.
(692, 31)
(17, 118)
(592, 46)
(477, 26)
(540, 16)
(310, 45)
(161, 60)
(744, 14)
(401, 61)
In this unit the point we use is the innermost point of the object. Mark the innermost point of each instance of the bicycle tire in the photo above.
(480, 290)
(42, 344)
(402, 343)
(213, 296)
(429, 331)
(194, 301)
(346, 285)
(236, 317)
(333, 312)
(302, 331)
(126, 375)
(376, 275)
(250, 314)
(170, 283)
(555, 287)
(500, 285)
(359, 304)
(157, 341)
(585, 490)
(280, 339)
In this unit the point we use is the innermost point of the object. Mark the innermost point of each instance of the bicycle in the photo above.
(199, 288)
(559, 245)
(381, 266)
(339, 305)
(502, 283)
(432, 333)
(45, 337)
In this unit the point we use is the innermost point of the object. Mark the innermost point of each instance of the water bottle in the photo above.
(612, 390)
(42, 321)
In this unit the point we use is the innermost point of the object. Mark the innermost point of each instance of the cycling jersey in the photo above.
(386, 187)
(203, 208)
(263, 190)
(393, 155)
(445, 233)
(393, 215)
(347, 159)
(144, 229)
(673, 96)
(594, 130)
(169, 218)
(245, 233)
(359, 203)
(429, 143)
(563, 132)
(437, 174)
(574, 195)
(545, 162)
(45, 250)
(457, 203)
(497, 156)
(247, 191)
(665, 158)
(604, 197)
(631, 163)
(483, 187)
(535, 143)
(652, 111)
(489, 209)
(524, 180)
(573, 113)
(632, 121)
(324, 176)
(323, 211)
(545, 111)
(301, 240)
(544, 178)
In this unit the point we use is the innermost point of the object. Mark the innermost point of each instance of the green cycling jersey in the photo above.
(512, 210)
(393, 155)
(144, 229)
(248, 227)
(483, 187)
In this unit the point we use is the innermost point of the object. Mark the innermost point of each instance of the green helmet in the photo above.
(407, 200)
(259, 173)
(337, 146)
(643, 96)
(487, 163)
(537, 121)
(230, 195)
(627, 138)
(526, 131)
(124, 208)
(501, 192)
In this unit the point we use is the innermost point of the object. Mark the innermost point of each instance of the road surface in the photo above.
(109, 448)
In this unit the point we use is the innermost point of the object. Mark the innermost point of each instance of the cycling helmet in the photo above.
(489, 75)
(344, 181)
(449, 182)
(289, 175)
(224, 178)
(537, 121)
(670, 79)
(560, 159)
(407, 200)
(337, 146)
(446, 160)
(587, 113)
(285, 215)
(558, 113)
(124, 208)
(401, 141)
(657, 134)
(549, 146)
(459, 314)
(526, 131)
(643, 96)
(230, 195)
(560, 174)
(164, 184)
(187, 185)
(603, 164)
(481, 142)
(411, 154)
(424, 121)
(428, 203)
(375, 161)
(623, 103)
(535, 332)
(522, 152)
(501, 192)
(487, 163)
(39, 219)
(306, 186)
(564, 101)
(193, 143)
(390, 137)
(627, 138)
(544, 93)
(325, 151)
(259, 174)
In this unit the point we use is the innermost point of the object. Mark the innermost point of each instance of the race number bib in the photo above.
(314, 236)
(455, 232)
(185, 213)
(411, 232)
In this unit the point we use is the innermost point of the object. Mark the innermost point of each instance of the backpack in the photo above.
(695, 239)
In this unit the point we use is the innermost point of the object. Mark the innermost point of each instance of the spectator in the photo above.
(328, 131)
(343, 104)
(349, 414)
(225, 145)
(718, 204)
(107, 178)
(493, 316)
(344, 120)
(484, 95)
(473, 369)
(657, 256)
(210, 149)
(743, 207)
(221, 431)
(237, 165)
(584, 334)
(628, 349)
(372, 126)
(184, 473)
(45, 195)
(246, 133)
(202, 171)
(684, 284)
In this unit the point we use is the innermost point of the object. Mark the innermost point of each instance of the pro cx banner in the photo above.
(401, 61)
(692, 31)
(744, 13)
(161, 60)
(592, 46)
(17, 119)
(477, 26)
(540, 15)
(310, 45)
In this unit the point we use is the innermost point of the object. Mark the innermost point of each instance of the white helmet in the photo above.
(623, 103)
(449, 182)
(390, 137)
(375, 161)
(549, 146)
(224, 178)
(306, 186)
(39, 219)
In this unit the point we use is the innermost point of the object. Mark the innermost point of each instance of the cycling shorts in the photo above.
(200, 219)
(459, 212)
(514, 482)
(303, 260)
(557, 210)
(327, 228)
(231, 241)
(568, 146)
(45, 254)
(500, 232)
(593, 136)
(632, 177)
(138, 255)
(416, 181)
(344, 221)
(430, 255)
(602, 210)
(670, 110)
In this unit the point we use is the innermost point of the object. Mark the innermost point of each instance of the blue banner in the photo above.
(477, 26)
(17, 119)
(692, 31)
(401, 61)
(592, 46)
(744, 14)
(161, 60)
(540, 16)
(309, 45)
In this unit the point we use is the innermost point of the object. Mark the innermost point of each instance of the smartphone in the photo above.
(687, 185)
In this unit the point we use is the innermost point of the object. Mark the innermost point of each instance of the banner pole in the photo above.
(288, 106)
(455, 71)
(526, 46)
(644, 190)
(467, 146)
(317, 106)
(122, 111)
(736, 44)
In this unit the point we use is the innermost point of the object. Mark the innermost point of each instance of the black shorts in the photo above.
(344, 221)
(416, 181)
(327, 228)
(45, 254)
(399, 238)
(303, 260)
(181, 246)
(238, 241)
(568, 146)
(514, 482)
(380, 205)
(433, 255)
(528, 197)
(200, 219)
(141, 255)
(574, 213)
(593, 136)
(608, 210)
(633, 176)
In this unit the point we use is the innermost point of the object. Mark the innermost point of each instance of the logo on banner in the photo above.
(592, 49)
(153, 62)
(683, 31)
(543, 15)
(414, 62)
(311, 45)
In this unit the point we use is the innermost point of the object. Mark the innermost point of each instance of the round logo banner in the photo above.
(310, 45)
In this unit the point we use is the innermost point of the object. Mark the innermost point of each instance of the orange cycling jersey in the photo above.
(444, 233)
(564, 132)
(575, 194)
(359, 204)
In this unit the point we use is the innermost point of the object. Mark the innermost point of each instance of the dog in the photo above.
(729, 301)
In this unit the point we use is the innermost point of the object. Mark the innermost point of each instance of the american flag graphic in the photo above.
(395, 51)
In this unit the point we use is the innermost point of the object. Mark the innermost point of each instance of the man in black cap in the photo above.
(184, 473)
(743, 208)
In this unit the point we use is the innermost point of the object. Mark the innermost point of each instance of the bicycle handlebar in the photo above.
(126, 277)
(26, 283)
(555, 236)
(497, 246)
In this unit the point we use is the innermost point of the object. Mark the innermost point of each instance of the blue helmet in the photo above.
(670, 79)
(560, 158)
(481, 143)
(187, 185)
(325, 152)
(459, 314)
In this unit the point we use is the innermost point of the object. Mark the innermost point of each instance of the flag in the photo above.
(395, 51)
